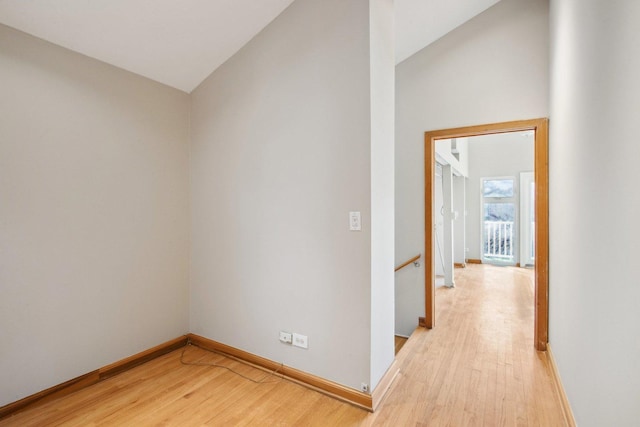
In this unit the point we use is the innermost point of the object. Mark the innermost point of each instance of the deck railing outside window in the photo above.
(498, 243)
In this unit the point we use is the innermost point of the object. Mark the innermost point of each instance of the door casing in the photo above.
(540, 127)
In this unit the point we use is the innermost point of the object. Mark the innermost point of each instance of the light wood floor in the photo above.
(477, 367)
(399, 343)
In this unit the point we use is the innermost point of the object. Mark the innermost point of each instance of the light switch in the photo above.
(354, 221)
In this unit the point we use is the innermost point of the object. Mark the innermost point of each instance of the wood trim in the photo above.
(562, 396)
(90, 378)
(541, 178)
(49, 394)
(384, 384)
(459, 265)
(486, 129)
(541, 167)
(422, 322)
(142, 357)
(404, 264)
(330, 388)
(429, 242)
(474, 261)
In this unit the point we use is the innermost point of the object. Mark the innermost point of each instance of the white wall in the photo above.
(382, 188)
(460, 223)
(499, 155)
(438, 198)
(283, 149)
(594, 321)
(494, 68)
(93, 214)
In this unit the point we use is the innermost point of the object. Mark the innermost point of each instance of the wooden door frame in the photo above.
(541, 176)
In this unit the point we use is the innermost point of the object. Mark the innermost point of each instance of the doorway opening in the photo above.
(539, 224)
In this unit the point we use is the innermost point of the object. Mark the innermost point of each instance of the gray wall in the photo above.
(283, 148)
(93, 214)
(505, 154)
(594, 208)
(470, 76)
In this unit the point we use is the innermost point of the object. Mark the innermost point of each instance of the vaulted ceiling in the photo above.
(180, 42)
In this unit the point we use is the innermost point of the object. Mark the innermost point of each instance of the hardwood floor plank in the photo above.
(399, 343)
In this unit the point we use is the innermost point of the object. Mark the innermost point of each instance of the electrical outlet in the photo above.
(300, 341)
(285, 337)
(364, 387)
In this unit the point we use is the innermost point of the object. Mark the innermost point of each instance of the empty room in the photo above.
(202, 205)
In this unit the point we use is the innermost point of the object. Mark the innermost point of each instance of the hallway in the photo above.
(478, 365)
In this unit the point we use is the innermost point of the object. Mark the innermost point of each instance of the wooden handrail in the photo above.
(404, 264)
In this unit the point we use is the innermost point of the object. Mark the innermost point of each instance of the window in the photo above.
(498, 220)
(497, 188)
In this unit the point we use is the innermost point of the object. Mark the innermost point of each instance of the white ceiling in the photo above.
(180, 42)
